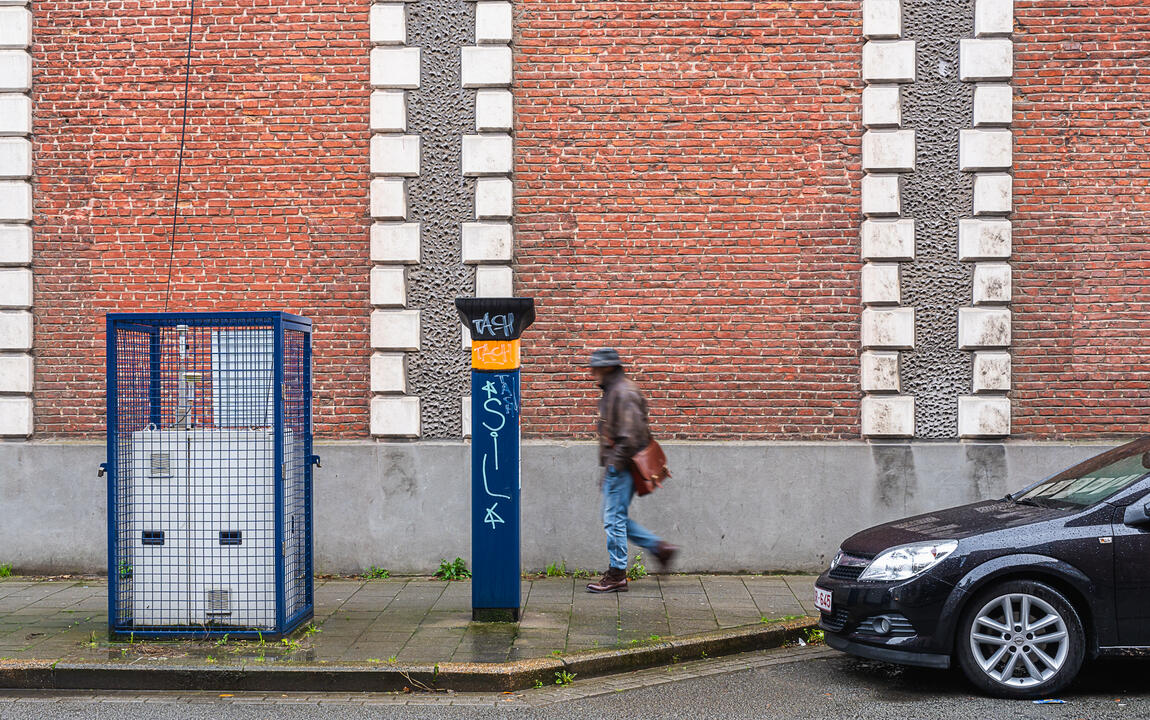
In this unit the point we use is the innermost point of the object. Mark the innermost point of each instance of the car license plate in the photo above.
(823, 600)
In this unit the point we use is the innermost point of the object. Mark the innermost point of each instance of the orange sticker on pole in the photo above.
(495, 354)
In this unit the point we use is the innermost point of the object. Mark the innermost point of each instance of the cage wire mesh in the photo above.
(209, 459)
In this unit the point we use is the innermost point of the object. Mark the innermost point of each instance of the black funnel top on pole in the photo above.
(496, 318)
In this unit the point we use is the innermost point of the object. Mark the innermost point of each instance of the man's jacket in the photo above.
(623, 426)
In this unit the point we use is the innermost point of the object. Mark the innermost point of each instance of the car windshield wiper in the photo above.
(1029, 501)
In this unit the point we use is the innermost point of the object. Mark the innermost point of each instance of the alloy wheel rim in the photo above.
(1019, 640)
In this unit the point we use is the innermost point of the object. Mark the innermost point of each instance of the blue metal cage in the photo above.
(209, 474)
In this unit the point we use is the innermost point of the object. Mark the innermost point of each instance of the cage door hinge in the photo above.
(314, 460)
(103, 469)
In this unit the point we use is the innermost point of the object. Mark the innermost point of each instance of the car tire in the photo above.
(1037, 654)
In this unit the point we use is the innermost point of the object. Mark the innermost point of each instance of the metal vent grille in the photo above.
(161, 465)
(219, 602)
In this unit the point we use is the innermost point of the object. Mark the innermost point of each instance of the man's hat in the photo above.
(605, 358)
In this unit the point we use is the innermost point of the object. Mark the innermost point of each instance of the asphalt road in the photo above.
(782, 684)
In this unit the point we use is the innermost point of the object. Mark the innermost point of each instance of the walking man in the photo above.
(623, 431)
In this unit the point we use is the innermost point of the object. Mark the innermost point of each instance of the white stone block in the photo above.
(388, 373)
(16, 373)
(493, 23)
(993, 104)
(15, 245)
(465, 334)
(389, 199)
(887, 415)
(395, 243)
(395, 329)
(486, 66)
(465, 416)
(15, 330)
(494, 281)
(880, 284)
(880, 195)
(388, 286)
(15, 201)
(983, 327)
(15, 288)
(491, 154)
(389, 111)
(888, 328)
(888, 239)
(888, 150)
(395, 416)
(15, 416)
(991, 371)
(882, 18)
(993, 17)
(15, 71)
(15, 157)
(487, 242)
(388, 23)
(984, 149)
(494, 110)
(879, 371)
(395, 155)
(494, 198)
(981, 416)
(888, 61)
(991, 283)
(993, 193)
(881, 106)
(985, 59)
(395, 67)
(15, 114)
(15, 27)
(983, 239)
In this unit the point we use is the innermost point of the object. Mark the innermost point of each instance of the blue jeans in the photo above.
(617, 492)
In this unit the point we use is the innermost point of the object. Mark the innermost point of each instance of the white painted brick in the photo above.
(882, 18)
(881, 106)
(887, 415)
(993, 193)
(15, 201)
(465, 416)
(15, 416)
(889, 150)
(879, 371)
(487, 242)
(494, 110)
(395, 416)
(991, 371)
(486, 66)
(993, 104)
(880, 195)
(388, 286)
(888, 61)
(494, 281)
(15, 27)
(395, 243)
(395, 67)
(983, 239)
(389, 199)
(993, 17)
(984, 149)
(985, 59)
(983, 327)
(388, 23)
(490, 154)
(15, 245)
(388, 373)
(16, 330)
(395, 155)
(880, 284)
(389, 111)
(889, 328)
(991, 283)
(15, 157)
(15, 288)
(16, 373)
(395, 329)
(494, 198)
(493, 22)
(888, 239)
(15, 71)
(15, 114)
(983, 416)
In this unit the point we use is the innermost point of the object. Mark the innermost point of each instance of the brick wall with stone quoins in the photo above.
(687, 191)
(274, 200)
(1081, 219)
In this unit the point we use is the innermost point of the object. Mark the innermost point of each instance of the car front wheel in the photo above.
(1021, 639)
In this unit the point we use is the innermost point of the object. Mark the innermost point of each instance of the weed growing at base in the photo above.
(455, 570)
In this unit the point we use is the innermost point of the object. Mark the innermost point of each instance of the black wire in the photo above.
(180, 162)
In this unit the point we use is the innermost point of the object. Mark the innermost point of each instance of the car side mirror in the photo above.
(1137, 514)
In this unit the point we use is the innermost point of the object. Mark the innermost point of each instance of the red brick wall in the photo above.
(686, 179)
(274, 199)
(1082, 219)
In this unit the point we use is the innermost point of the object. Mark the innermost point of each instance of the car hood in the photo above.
(950, 524)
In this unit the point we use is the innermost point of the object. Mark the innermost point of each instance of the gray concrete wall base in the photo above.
(404, 506)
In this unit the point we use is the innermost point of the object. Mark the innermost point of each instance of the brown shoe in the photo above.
(614, 581)
(665, 554)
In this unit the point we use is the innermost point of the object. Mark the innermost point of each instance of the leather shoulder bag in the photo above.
(649, 469)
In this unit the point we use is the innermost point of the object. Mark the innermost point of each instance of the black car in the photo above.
(1018, 591)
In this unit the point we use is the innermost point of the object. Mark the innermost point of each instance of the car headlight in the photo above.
(906, 561)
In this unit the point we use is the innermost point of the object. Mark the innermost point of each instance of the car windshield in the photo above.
(1094, 480)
